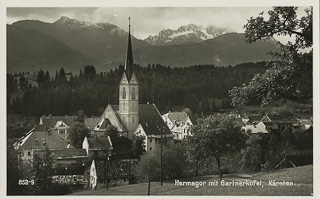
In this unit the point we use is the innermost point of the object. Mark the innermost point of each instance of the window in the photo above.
(150, 139)
(29, 153)
(133, 94)
(150, 148)
(124, 93)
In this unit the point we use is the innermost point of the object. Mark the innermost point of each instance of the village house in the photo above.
(255, 128)
(61, 124)
(58, 124)
(38, 139)
(277, 123)
(179, 123)
(113, 172)
(96, 148)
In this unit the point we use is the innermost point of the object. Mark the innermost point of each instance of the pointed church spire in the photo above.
(129, 60)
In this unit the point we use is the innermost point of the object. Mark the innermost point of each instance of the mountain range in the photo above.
(191, 33)
(72, 44)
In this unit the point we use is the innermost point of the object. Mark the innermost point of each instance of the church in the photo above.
(129, 117)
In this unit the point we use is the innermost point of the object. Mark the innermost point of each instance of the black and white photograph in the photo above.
(187, 100)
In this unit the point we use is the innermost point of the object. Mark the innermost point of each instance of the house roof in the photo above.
(121, 145)
(112, 118)
(117, 168)
(279, 119)
(177, 116)
(255, 118)
(51, 121)
(91, 122)
(41, 140)
(306, 122)
(151, 120)
(69, 153)
(98, 143)
(106, 122)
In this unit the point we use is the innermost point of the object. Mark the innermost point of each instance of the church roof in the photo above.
(129, 59)
(151, 120)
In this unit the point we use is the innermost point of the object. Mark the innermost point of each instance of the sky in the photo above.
(146, 21)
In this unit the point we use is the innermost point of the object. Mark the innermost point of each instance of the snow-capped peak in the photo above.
(190, 33)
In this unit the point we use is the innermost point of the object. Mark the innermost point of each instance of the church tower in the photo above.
(129, 93)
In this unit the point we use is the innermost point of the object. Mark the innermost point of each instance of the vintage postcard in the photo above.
(139, 98)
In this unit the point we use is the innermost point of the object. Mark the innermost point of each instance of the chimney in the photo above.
(41, 123)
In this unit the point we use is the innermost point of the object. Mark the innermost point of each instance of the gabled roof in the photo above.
(98, 143)
(112, 116)
(51, 121)
(279, 119)
(255, 118)
(69, 153)
(41, 140)
(306, 122)
(177, 116)
(151, 120)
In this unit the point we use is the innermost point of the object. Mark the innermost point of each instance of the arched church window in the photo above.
(124, 93)
(133, 94)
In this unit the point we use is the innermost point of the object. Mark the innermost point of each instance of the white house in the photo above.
(179, 123)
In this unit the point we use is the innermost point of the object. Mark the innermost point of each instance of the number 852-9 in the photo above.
(26, 182)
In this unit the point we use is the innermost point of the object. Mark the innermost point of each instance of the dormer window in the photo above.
(124, 93)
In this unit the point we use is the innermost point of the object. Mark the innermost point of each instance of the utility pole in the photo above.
(160, 156)
(107, 166)
(129, 170)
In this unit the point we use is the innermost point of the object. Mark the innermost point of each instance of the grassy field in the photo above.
(302, 178)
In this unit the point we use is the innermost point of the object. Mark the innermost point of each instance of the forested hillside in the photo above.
(194, 87)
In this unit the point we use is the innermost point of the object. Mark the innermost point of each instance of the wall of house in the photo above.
(151, 143)
(94, 154)
(25, 154)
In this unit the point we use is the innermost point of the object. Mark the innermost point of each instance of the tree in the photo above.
(216, 136)
(174, 163)
(43, 171)
(149, 167)
(77, 132)
(290, 76)
(112, 131)
(138, 146)
(89, 72)
(253, 156)
(81, 116)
